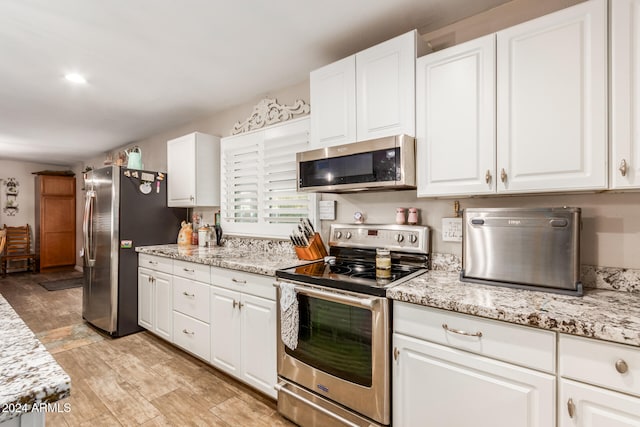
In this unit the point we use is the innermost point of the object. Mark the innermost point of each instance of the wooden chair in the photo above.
(3, 239)
(17, 247)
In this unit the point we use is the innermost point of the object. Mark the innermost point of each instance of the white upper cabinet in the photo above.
(333, 97)
(455, 108)
(552, 102)
(385, 81)
(625, 94)
(368, 95)
(193, 167)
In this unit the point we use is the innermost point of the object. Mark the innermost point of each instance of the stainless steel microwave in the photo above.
(378, 164)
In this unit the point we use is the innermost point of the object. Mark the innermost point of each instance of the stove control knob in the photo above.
(348, 235)
(413, 238)
(338, 234)
(399, 238)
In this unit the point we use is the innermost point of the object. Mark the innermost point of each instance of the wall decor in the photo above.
(11, 194)
(268, 112)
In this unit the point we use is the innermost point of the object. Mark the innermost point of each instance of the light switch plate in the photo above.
(327, 209)
(452, 229)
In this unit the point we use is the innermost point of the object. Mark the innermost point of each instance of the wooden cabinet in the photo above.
(243, 327)
(155, 299)
(625, 96)
(552, 102)
(456, 120)
(193, 167)
(550, 98)
(55, 220)
(599, 385)
(368, 95)
(457, 370)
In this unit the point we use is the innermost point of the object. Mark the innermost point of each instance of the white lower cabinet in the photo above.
(464, 380)
(243, 328)
(191, 334)
(599, 385)
(154, 302)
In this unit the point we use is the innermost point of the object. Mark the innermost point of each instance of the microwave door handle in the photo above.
(87, 228)
(335, 297)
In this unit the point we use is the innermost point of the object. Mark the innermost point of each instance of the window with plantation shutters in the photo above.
(259, 194)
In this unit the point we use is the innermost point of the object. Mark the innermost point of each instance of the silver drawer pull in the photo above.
(184, 331)
(153, 262)
(621, 366)
(188, 270)
(461, 332)
(242, 282)
(187, 294)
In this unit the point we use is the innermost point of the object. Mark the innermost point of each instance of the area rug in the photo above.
(56, 285)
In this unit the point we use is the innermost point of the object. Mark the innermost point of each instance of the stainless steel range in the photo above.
(334, 325)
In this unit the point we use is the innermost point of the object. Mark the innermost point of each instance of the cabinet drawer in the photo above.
(192, 270)
(191, 298)
(599, 362)
(156, 263)
(516, 344)
(248, 283)
(191, 334)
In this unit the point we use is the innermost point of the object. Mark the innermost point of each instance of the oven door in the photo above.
(343, 350)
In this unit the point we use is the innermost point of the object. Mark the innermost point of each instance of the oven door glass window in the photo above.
(335, 338)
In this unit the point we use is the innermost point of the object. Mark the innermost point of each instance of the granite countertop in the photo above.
(601, 313)
(242, 258)
(29, 375)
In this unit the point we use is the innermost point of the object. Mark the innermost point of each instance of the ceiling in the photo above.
(154, 64)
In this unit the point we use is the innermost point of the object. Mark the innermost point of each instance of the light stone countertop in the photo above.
(29, 375)
(243, 258)
(601, 313)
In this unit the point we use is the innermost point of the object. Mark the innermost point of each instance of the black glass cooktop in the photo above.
(355, 276)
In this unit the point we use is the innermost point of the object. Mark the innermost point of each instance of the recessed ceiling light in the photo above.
(75, 78)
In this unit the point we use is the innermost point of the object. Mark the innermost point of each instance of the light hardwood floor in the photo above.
(134, 380)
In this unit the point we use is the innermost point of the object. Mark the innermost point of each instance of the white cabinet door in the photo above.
(145, 298)
(193, 167)
(552, 98)
(455, 106)
(259, 343)
(435, 385)
(595, 407)
(162, 306)
(333, 99)
(625, 94)
(225, 330)
(385, 87)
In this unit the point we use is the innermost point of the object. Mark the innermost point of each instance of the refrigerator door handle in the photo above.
(87, 228)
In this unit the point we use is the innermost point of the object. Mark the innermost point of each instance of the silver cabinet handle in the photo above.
(571, 408)
(461, 332)
(487, 177)
(503, 175)
(242, 282)
(621, 366)
(396, 353)
(188, 270)
(191, 198)
(186, 332)
(153, 262)
(187, 294)
(623, 167)
(235, 303)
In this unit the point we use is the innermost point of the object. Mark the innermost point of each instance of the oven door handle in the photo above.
(281, 388)
(333, 296)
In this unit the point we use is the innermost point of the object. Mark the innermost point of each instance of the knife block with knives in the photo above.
(315, 250)
(307, 243)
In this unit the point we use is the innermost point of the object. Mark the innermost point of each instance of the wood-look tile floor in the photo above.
(134, 380)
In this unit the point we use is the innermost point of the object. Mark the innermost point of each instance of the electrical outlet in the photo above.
(452, 229)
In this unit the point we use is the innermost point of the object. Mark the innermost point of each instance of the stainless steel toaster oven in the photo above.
(528, 248)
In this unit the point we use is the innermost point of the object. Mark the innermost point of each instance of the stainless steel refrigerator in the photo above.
(124, 208)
